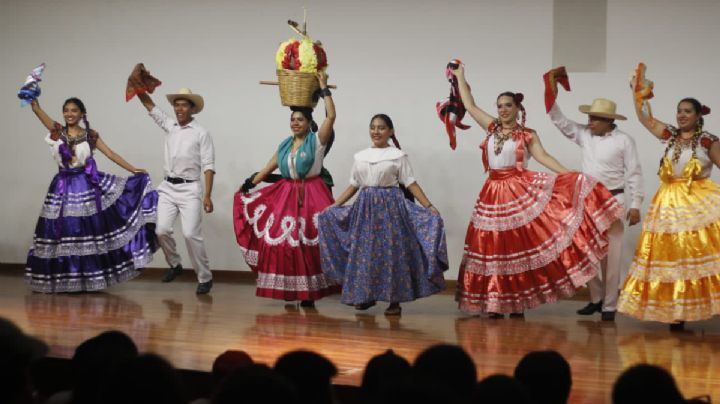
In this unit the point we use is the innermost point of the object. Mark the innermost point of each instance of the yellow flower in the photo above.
(308, 59)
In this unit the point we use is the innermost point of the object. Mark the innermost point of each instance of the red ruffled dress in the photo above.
(534, 237)
(276, 228)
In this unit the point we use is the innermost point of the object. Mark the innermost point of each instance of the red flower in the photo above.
(321, 57)
(291, 60)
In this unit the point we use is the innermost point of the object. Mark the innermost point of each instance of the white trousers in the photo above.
(607, 288)
(185, 199)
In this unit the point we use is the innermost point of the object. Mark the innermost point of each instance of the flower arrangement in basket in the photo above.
(297, 62)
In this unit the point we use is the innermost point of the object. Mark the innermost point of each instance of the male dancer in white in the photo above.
(609, 155)
(189, 152)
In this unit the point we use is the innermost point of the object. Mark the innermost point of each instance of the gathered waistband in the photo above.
(503, 173)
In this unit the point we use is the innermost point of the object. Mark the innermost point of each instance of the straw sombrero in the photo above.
(187, 94)
(603, 108)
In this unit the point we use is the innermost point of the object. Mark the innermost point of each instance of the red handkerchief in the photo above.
(139, 82)
(551, 79)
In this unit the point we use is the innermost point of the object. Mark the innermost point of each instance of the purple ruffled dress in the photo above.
(95, 229)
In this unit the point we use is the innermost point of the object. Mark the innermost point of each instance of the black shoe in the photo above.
(495, 316)
(364, 306)
(679, 326)
(204, 288)
(393, 310)
(517, 315)
(307, 303)
(172, 273)
(608, 316)
(591, 308)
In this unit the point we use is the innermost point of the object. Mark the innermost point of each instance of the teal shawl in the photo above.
(304, 159)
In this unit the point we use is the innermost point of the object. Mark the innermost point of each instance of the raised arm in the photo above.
(116, 158)
(326, 129)
(146, 101)
(48, 122)
(538, 152)
(480, 116)
(655, 127)
(569, 128)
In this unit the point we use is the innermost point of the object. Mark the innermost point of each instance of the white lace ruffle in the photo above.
(96, 244)
(549, 250)
(516, 213)
(83, 204)
(303, 283)
(97, 280)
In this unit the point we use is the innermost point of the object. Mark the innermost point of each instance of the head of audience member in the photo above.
(546, 375)
(646, 384)
(95, 359)
(310, 373)
(447, 368)
(384, 373)
(229, 361)
(146, 379)
(255, 384)
(501, 389)
(17, 352)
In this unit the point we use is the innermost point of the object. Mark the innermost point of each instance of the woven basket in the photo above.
(297, 88)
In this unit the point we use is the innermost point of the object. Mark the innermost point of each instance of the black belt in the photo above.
(175, 180)
(617, 191)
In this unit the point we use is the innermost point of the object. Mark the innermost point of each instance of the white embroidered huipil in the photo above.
(81, 152)
(507, 157)
(613, 160)
(189, 152)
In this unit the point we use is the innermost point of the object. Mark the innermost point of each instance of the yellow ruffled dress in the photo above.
(675, 274)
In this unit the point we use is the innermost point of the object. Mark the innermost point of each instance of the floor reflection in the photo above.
(64, 320)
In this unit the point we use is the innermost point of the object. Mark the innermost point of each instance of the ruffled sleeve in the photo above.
(707, 139)
(406, 175)
(669, 132)
(355, 178)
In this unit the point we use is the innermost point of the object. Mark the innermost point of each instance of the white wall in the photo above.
(384, 56)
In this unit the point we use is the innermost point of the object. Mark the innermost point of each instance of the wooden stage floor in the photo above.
(169, 319)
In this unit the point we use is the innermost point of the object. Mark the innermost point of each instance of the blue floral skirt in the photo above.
(383, 248)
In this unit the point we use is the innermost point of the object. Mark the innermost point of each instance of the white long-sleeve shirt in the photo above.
(612, 159)
(189, 149)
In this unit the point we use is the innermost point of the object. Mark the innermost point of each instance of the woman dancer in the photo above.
(383, 247)
(675, 275)
(95, 229)
(276, 226)
(533, 237)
